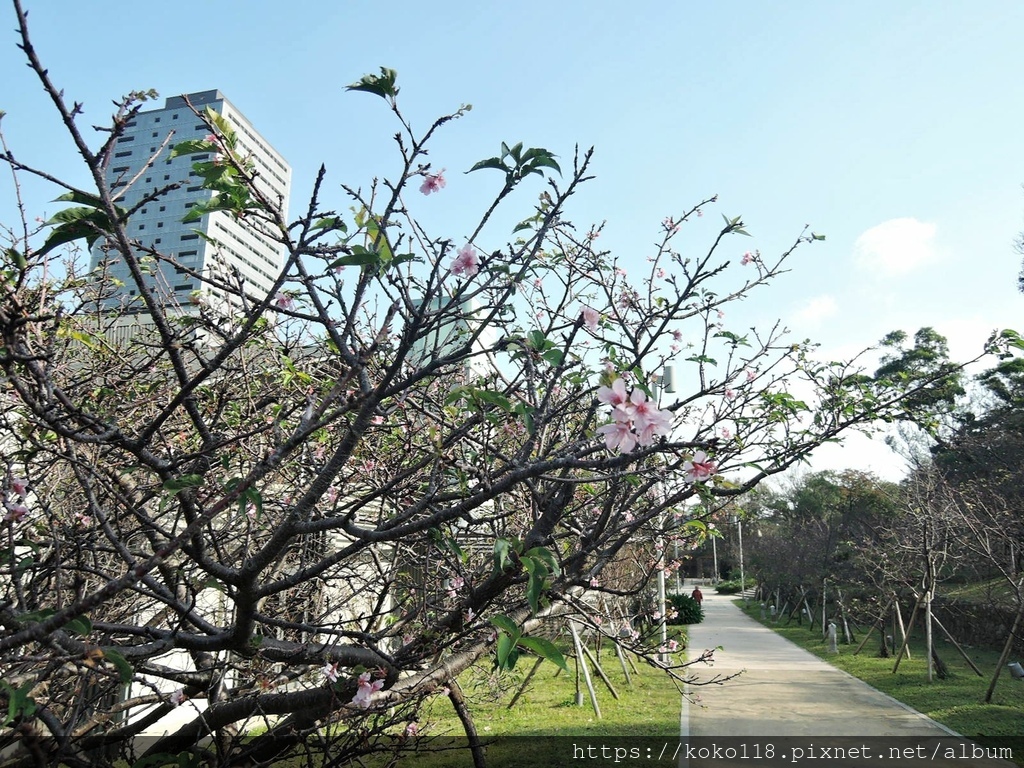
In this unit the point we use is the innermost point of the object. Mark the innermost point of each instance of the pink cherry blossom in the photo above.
(677, 335)
(283, 301)
(20, 486)
(618, 435)
(15, 512)
(210, 138)
(657, 423)
(730, 393)
(411, 730)
(330, 671)
(699, 468)
(433, 182)
(614, 395)
(591, 317)
(467, 262)
(365, 691)
(177, 698)
(726, 433)
(750, 375)
(748, 257)
(595, 583)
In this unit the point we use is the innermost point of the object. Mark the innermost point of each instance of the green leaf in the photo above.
(491, 162)
(360, 257)
(176, 484)
(329, 222)
(17, 258)
(554, 357)
(494, 398)
(505, 647)
(80, 626)
(19, 703)
(221, 123)
(501, 558)
(124, 669)
(545, 649)
(547, 557)
(382, 85)
(193, 147)
(506, 625)
(80, 198)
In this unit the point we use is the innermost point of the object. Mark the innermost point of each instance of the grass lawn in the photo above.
(647, 708)
(955, 702)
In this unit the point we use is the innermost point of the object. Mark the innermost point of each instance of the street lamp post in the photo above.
(666, 383)
(743, 580)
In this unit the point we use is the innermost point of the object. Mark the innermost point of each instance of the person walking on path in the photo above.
(697, 595)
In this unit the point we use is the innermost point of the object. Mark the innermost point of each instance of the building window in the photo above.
(125, 139)
(149, 179)
(141, 227)
(175, 116)
(155, 134)
(152, 149)
(166, 176)
(186, 254)
(163, 207)
(126, 153)
(197, 158)
(121, 169)
(183, 287)
(159, 225)
(156, 120)
(193, 189)
(201, 127)
(143, 210)
(193, 236)
(189, 205)
(157, 241)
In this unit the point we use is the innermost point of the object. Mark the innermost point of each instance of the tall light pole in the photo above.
(743, 580)
(714, 556)
(666, 383)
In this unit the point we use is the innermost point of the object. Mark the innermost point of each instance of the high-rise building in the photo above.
(216, 246)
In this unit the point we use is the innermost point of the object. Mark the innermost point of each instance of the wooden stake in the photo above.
(877, 625)
(600, 672)
(622, 661)
(582, 663)
(540, 660)
(906, 635)
(902, 627)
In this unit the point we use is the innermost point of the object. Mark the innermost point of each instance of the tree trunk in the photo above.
(1008, 647)
(459, 703)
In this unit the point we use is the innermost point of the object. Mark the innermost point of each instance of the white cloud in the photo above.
(895, 247)
(814, 311)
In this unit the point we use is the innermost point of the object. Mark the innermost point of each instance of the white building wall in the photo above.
(144, 150)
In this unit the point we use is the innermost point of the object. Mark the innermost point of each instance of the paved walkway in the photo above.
(785, 691)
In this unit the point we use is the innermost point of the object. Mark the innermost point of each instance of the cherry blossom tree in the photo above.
(309, 511)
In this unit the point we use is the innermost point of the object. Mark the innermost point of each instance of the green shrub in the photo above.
(732, 586)
(686, 610)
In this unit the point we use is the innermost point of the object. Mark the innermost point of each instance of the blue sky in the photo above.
(893, 128)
